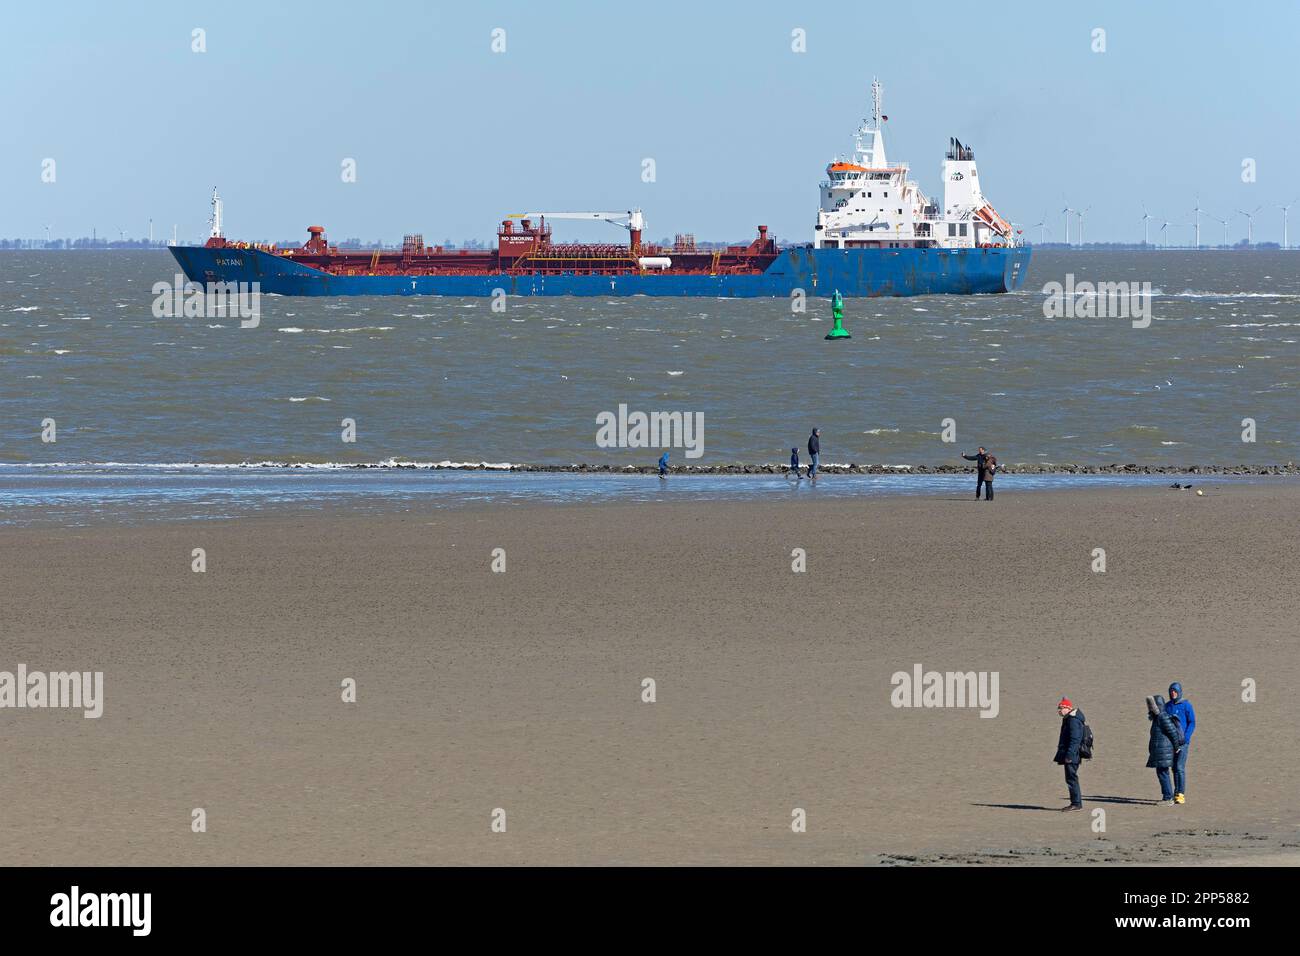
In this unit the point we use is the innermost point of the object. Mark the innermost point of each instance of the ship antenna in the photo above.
(877, 93)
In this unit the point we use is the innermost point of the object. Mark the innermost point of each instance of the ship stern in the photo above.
(1016, 269)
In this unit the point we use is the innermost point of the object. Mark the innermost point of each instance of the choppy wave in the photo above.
(441, 385)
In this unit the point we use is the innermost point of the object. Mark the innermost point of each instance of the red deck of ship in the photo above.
(526, 250)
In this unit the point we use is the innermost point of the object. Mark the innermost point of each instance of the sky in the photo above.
(448, 136)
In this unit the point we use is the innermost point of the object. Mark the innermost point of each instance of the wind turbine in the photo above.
(48, 227)
(1197, 209)
(1250, 223)
(1041, 226)
(1081, 214)
(1164, 235)
(1224, 223)
(1284, 214)
(1066, 211)
(1146, 229)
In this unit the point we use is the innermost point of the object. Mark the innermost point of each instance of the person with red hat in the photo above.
(1068, 749)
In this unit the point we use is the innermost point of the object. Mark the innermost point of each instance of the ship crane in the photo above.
(632, 220)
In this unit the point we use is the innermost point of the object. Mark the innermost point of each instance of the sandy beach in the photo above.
(523, 690)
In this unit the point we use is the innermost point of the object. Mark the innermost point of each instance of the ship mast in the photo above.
(215, 220)
(869, 140)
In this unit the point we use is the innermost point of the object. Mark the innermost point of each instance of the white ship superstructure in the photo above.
(866, 202)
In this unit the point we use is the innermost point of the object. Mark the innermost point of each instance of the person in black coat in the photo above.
(1163, 746)
(1067, 749)
(981, 459)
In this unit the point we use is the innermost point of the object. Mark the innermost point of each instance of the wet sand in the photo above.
(522, 691)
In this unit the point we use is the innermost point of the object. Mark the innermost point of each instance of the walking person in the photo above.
(814, 452)
(1181, 710)
(1163, 746)
(663, 467)
(794, 465)
(980, 458)
(1070, 748)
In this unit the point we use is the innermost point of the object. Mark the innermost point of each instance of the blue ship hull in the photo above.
(818, 272)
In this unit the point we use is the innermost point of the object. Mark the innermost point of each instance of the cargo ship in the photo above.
(876, 234)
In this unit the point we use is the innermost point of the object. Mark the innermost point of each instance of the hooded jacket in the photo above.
(1182, 709)
(814, 444)
(1166, 738)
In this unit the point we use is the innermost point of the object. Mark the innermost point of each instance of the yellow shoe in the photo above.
(1179, 798)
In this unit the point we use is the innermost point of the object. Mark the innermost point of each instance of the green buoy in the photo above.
(837, 312)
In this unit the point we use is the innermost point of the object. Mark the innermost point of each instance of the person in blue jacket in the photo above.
(1163, 746)
(663, 467)
(794, 464)
(1180, 707)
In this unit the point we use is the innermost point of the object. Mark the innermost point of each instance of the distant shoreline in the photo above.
(1291, 468)
(138, 245)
